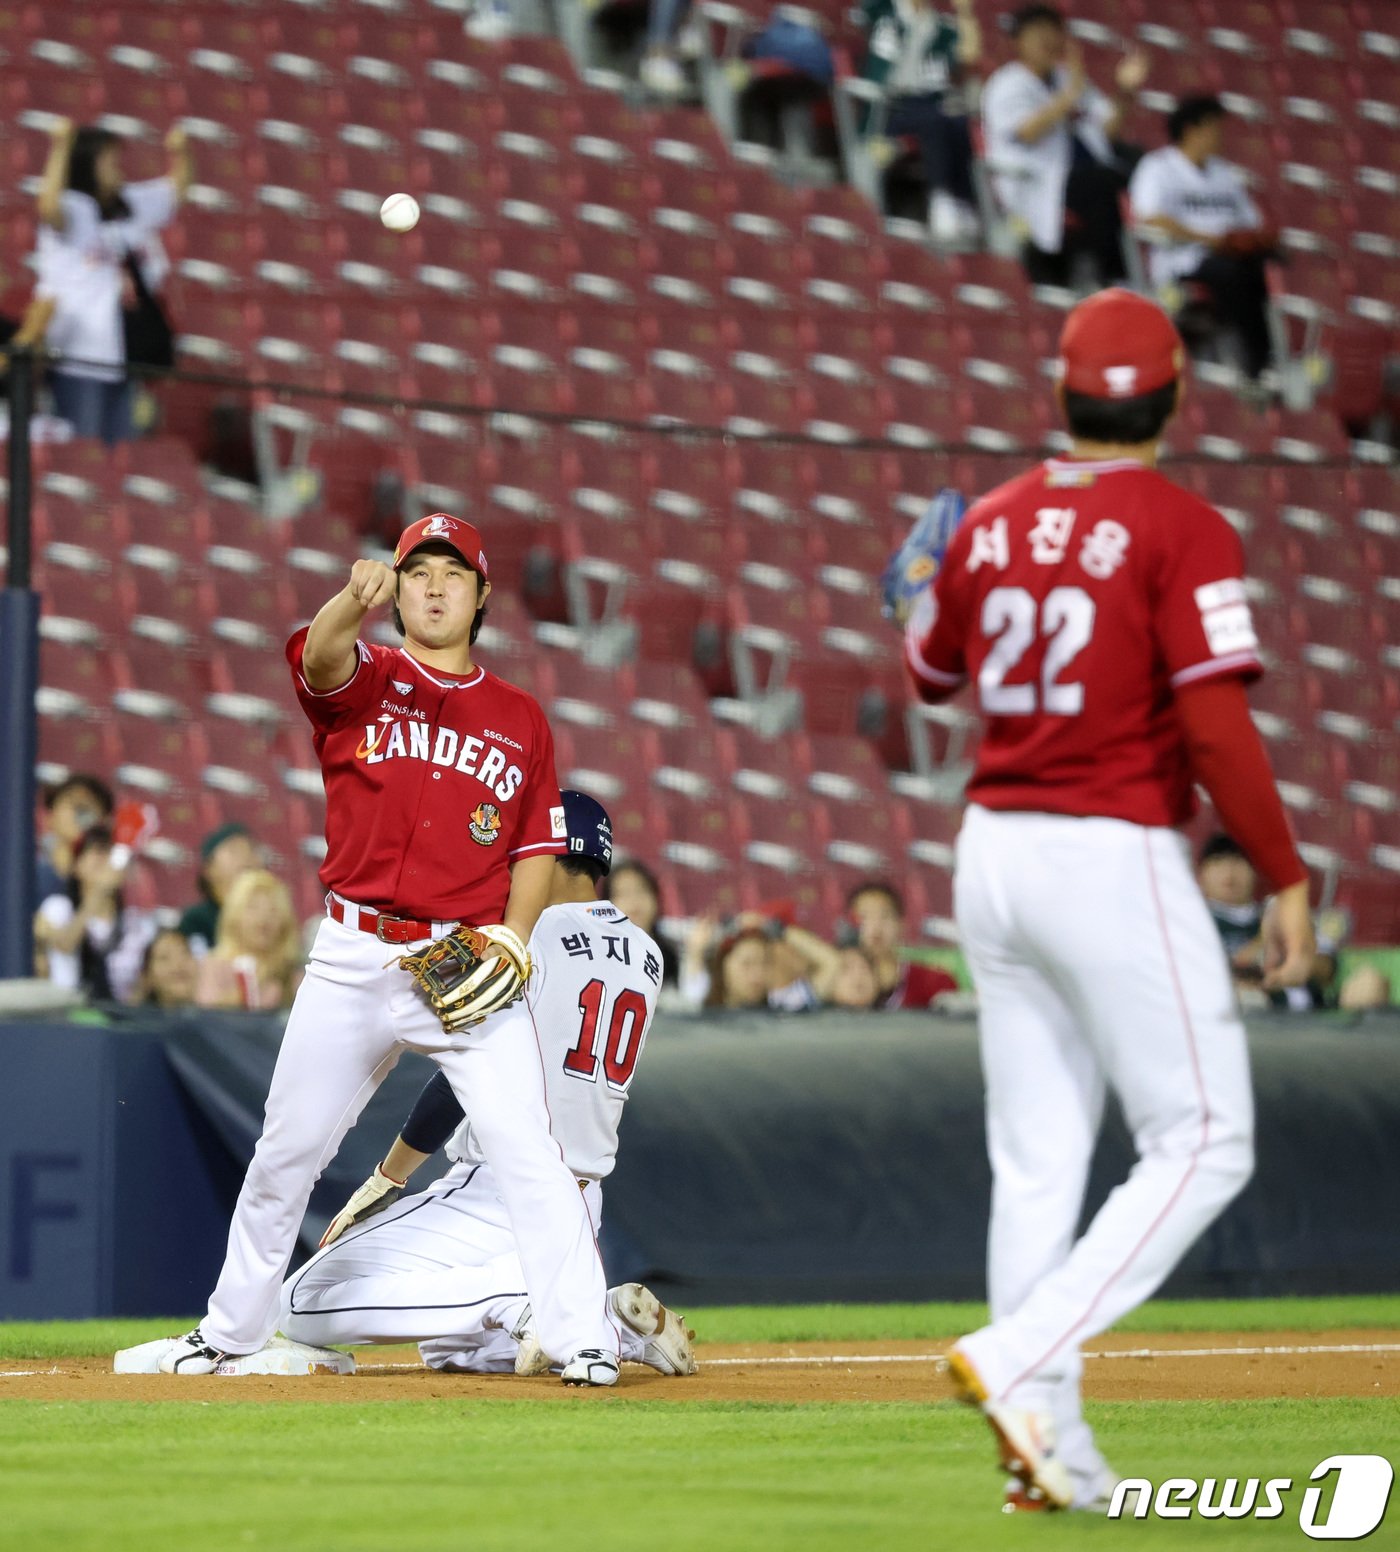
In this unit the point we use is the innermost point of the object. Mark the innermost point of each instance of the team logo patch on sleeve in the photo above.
(558, 830)
(485, 824)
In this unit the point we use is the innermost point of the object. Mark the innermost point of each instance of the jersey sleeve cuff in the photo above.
(1244, 665)
(337, 689)
(923, 669)
(541, 848)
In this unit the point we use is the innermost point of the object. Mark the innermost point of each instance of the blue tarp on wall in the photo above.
(799, 1159)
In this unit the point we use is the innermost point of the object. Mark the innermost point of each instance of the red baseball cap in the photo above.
(439, 528)
(1116, 345)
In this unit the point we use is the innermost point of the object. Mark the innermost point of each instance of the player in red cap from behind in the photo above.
(1100, 613)
(442, 808)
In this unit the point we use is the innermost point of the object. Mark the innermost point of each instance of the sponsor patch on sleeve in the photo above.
(557, 829)
(1225, 617)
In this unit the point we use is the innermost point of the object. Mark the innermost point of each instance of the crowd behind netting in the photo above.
(240, 945)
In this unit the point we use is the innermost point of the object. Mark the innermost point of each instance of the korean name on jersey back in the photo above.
(1078, 599)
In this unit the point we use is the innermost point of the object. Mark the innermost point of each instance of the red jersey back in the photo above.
(1077, 599)
(434, 785)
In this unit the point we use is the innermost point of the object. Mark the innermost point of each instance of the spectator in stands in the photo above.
(1230, 887)
(854, 984)
(1366, 987)
(1050, 148)
(89, 940)
(743, 963)
(875, 918)
(103, 262)
(1208, 234)
(224, 854)
(489, 21)
(256, 961)
(633, 889)
(738, 975)
(661, 71)
(919, 56)
(73, 807)
(169, 972)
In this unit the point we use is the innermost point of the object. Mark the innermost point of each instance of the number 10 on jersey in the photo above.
(623, 1043)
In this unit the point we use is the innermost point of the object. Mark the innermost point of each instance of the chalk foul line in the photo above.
(831, 1360)
(819, 1360)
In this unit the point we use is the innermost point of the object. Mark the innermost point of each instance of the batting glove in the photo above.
(377, 1193)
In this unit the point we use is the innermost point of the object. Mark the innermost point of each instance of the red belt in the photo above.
(388, 929)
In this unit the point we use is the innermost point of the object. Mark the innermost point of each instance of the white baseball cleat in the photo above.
(191, 1354)
(1025, 1439)
(669, 1344)
(591, 1366)
(530, 1357)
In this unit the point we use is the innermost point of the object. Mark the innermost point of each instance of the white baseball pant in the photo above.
(1096, 966)
(440, 1268)
(351, 1019)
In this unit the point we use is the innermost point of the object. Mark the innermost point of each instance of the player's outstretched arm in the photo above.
(328, 658)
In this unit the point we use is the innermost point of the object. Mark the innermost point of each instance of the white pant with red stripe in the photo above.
(351, 1019)
(1097, 966)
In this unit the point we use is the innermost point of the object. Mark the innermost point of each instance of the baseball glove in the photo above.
(471, 974)
(377, 1193)
(915, 563)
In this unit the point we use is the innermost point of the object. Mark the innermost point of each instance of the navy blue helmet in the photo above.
(588, 828)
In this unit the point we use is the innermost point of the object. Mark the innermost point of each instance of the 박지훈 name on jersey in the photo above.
(592, 995)
(1077, 599)
(434, 785)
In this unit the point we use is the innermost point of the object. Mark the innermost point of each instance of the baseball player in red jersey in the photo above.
(442, 808)
(1100, 613)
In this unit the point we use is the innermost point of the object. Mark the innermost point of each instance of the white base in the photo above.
(278, 1357)
(144, 1359)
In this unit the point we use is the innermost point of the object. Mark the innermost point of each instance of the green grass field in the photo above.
(616, 1474)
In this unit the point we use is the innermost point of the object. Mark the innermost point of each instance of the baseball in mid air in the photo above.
(399, 212)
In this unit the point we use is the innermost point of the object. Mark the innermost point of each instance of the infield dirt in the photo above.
(1194, 1366)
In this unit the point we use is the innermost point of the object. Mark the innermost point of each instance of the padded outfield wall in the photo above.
(810, 1158)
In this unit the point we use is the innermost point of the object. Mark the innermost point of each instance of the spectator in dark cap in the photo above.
(223, 854)
(1228, 882)
(73, 806)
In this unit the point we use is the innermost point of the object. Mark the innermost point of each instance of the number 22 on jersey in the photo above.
(1012, 620)
(622, 1044)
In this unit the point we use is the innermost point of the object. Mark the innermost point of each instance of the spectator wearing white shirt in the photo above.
(87, 938)
(1211, 235)
(1050, 149)
(95, 231)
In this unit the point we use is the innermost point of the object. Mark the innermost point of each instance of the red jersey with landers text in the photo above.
(434, 785)
(1078, 599)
